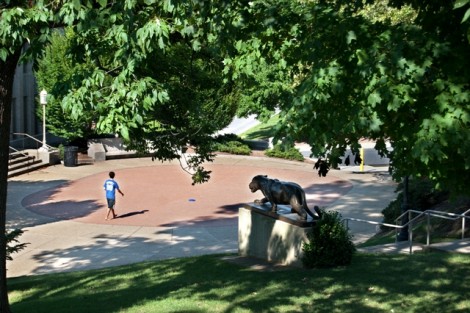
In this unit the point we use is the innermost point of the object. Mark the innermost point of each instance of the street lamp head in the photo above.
(43, 97)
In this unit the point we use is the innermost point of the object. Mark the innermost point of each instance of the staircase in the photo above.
(458, 246)
(21, 163)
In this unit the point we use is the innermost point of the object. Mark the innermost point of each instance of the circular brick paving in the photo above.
(163, 195)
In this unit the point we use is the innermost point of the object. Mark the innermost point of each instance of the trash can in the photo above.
(70, 156)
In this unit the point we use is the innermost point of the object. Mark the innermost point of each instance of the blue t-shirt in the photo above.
(110, 186)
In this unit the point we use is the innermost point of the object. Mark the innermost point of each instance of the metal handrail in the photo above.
(18, 151)
(411, 220)
(432, 213)
(35, 139)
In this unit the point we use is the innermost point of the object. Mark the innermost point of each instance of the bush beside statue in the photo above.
(329, 243)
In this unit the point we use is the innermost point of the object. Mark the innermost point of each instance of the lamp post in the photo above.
(43, 101)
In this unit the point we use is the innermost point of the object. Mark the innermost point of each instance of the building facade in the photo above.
(23, 109)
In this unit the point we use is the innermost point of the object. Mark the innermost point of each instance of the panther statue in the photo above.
(279, 192)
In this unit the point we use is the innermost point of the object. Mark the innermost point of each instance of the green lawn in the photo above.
(427, 282)
(261, 131)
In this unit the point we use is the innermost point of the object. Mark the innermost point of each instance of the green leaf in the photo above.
(351, 36)
(161, 43)
(3, 54)
(374, 99)
(361, 56)
(196, 45)
(76, 4)
(124, 132)
(167, 5)
(139, 119)
(460, 3)
(466, 16)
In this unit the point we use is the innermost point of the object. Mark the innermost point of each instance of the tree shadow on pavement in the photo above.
(19, 191)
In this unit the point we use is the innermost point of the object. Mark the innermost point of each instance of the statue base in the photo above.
(274, 237)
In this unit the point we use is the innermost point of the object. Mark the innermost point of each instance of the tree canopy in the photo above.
(350, 76)
(154, 77)
(336, 73)
(191, 79)
(58, 74)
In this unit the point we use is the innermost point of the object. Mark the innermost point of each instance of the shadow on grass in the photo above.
(260, 133)
(263, 130)
(434, 282)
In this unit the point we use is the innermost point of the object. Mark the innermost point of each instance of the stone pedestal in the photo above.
(273, 237)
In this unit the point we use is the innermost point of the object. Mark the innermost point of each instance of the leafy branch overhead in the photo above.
(340, 70)
(397, 74)
(393, 71)
(168, 74)
(152, 76)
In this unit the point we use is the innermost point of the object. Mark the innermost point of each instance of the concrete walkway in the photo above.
(62, 210)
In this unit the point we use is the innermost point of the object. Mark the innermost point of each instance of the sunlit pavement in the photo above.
(162, 216)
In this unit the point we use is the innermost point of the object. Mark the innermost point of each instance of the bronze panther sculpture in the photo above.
(278, 192)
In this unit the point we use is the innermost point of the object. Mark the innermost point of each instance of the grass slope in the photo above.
(262, 131)
(430, 282)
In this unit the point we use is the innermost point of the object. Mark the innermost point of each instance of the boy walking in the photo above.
(110, 185)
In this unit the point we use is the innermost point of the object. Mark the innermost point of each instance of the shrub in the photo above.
(234, 147)
(61, 151)
(227, 138)
(289, 153)
(231, 143)
(421, 196)
(329, 243)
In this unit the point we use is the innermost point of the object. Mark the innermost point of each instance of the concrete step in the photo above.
(399, 247)
(83, 159)
(21, 163)
(15, 155)
(458, 246)
(14, 162)
(26, 169)
(19, 159)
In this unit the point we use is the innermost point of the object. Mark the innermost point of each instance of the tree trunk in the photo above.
(7, 74)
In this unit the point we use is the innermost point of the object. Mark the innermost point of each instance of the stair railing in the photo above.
(50, 148)
(413, 221)
(17, 151)
(28, 161)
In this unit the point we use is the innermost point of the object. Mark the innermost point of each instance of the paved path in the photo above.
(162, 216)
